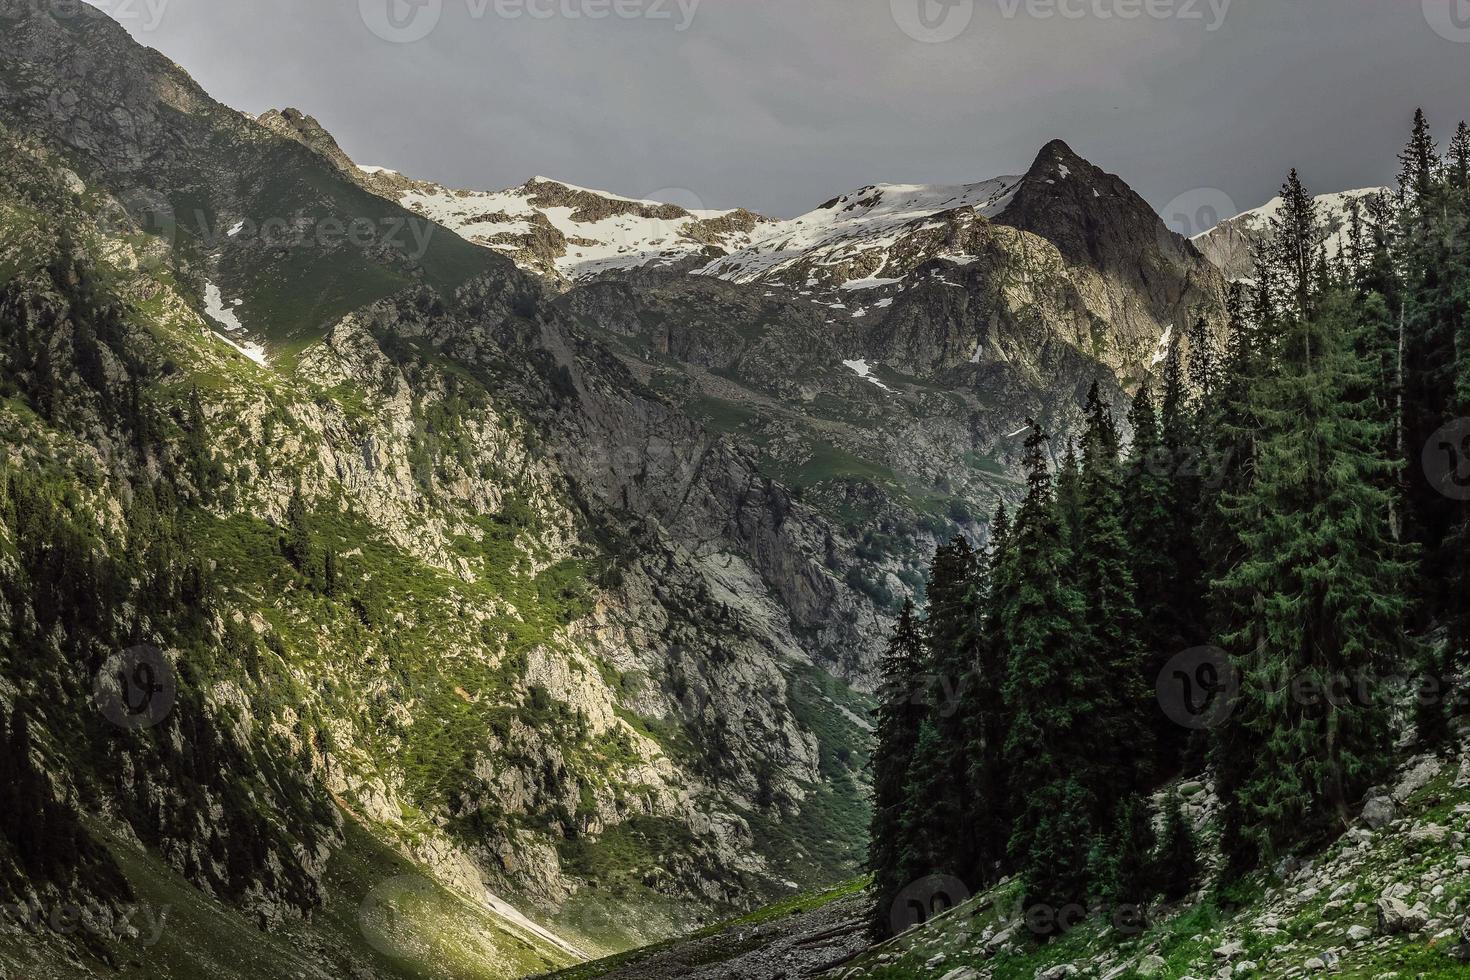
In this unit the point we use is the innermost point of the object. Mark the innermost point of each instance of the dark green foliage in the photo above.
(900, 717)
(934, 816)
(1112, 658)
(1317, 596)
(985, 714)
(952, 635)
(1124, 864)
(1178, 861)
(1048, 698)
(296, 543)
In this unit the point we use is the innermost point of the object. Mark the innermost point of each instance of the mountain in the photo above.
(1231, 243)
(553, 229)
(514, 605)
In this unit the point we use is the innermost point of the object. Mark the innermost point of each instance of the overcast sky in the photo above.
(778, 105)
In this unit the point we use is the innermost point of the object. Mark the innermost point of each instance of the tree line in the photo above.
(1286, 528)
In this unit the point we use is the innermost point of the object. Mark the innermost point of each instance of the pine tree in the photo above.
(1069, 496)
(986, 718)
(1111, 652)
(1458, 170)
(1418, 162)
(1185, 585)
(951, 639)
(1047, 699)
(1434, 306)
(296, 545)
(900, 713)
(934, 825)
(1125, 872)
(1294, 248)
(1178, 861)
(1147, 529)
(1318, 590)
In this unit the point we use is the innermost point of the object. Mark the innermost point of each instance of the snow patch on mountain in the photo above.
(869, 220)
(548, 225)
(864, 371)
(224, 314)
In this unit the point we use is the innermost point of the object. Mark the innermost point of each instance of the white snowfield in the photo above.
(505, 220)
(869, 219)
(234, 333)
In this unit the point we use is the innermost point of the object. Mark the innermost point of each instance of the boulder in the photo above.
(962, 973)
(1396, 917)
(1426, 836)
(1379, 812)
(1416, 778)
(1059, 972)
(1230, 950)
(1462, 951)
(1151, 965)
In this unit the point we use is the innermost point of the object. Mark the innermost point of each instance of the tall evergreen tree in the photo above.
(1319, 586)
(951, 639)
(1047, 698)
(1178, 861)
(1432, 313)
(296, 543)
(985, 714)
(1146, 527)
(901, 714)
(1181, 440)
(1458, 164)
(1112, 653)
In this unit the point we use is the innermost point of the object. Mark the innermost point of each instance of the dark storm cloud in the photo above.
(779, 104)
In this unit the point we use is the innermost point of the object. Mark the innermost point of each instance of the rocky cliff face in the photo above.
(539, 633)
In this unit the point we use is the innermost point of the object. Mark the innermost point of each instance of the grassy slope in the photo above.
(381, 920)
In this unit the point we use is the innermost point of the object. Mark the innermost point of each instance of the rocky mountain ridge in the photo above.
(1230, 245)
